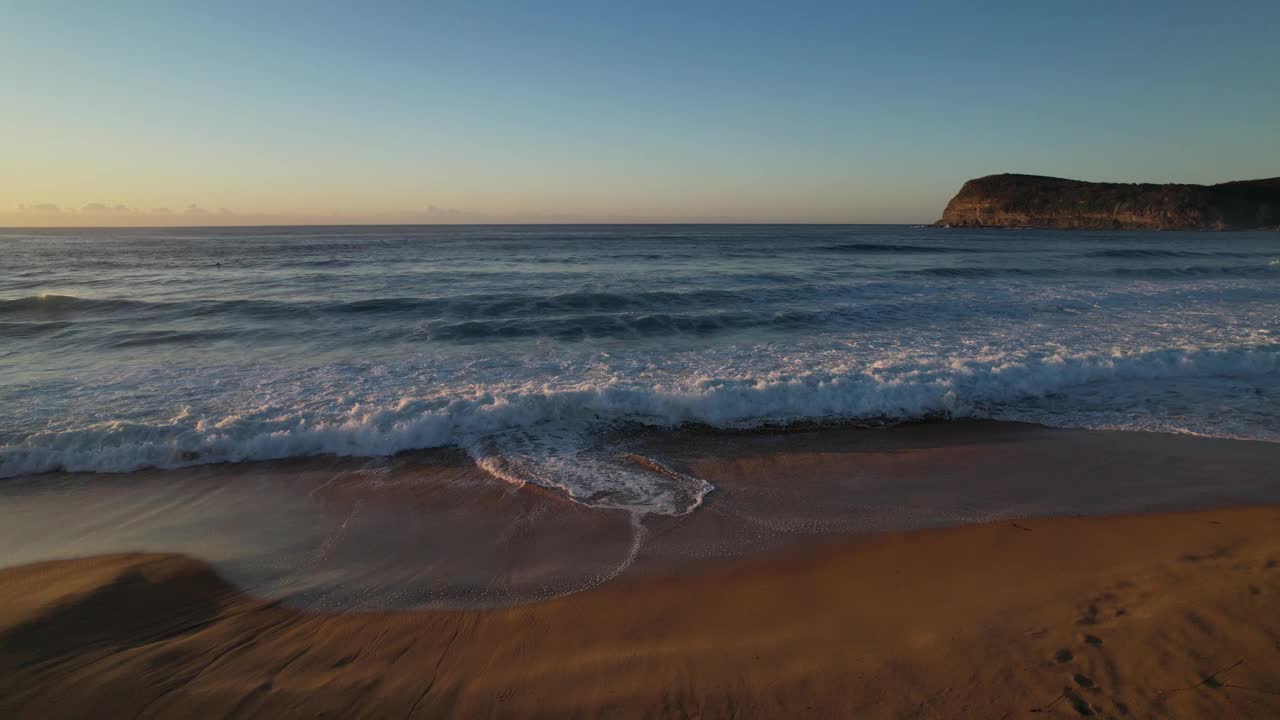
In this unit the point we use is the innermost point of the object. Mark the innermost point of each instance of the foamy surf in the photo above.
(552, 434)
(589, 468)
(536, 349)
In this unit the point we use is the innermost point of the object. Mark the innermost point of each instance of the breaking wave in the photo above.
(891, 248)
(1143, 253)
(562, 420)
(538, 349)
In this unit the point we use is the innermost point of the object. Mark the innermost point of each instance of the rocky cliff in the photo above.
(1044, 202)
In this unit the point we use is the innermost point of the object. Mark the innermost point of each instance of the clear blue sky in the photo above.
(131, 112)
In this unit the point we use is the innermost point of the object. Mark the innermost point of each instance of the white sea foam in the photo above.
(544, 431)
(527, 347)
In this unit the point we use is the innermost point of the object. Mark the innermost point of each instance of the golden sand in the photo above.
(1170, 615)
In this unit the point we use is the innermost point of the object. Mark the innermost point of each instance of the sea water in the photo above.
(536, 348)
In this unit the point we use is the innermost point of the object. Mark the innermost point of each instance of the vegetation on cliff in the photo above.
(1011, 200)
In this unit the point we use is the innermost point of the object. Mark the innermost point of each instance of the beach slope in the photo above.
(1169, 615)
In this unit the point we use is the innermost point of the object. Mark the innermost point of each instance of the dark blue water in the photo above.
(122, 349)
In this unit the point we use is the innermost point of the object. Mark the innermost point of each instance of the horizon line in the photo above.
(476, 224)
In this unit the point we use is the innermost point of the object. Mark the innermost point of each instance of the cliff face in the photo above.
(1045, 202)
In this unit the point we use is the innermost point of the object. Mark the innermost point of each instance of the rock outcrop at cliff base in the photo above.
(1009, 200)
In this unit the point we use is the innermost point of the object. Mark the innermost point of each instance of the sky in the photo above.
(218, 113)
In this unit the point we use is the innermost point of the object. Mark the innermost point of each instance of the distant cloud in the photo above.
(436, 214)
(40, 209)
(104, 209)
(119, 214)
(195, 214)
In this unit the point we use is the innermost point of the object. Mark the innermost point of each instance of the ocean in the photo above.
(537, 349)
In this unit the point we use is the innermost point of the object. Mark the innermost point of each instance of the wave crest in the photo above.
(474, 417)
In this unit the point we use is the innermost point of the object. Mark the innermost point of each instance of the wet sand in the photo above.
(1170, 615)
(833, 573)
(425, 529)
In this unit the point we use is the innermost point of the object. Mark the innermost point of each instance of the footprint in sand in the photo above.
(1079, 704)
(1090, 616)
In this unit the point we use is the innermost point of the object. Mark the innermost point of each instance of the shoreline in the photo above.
(431, 529)
(959, 570)
(1157, 615)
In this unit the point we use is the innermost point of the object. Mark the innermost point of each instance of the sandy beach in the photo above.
(1154, 616)
(1160, 611)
